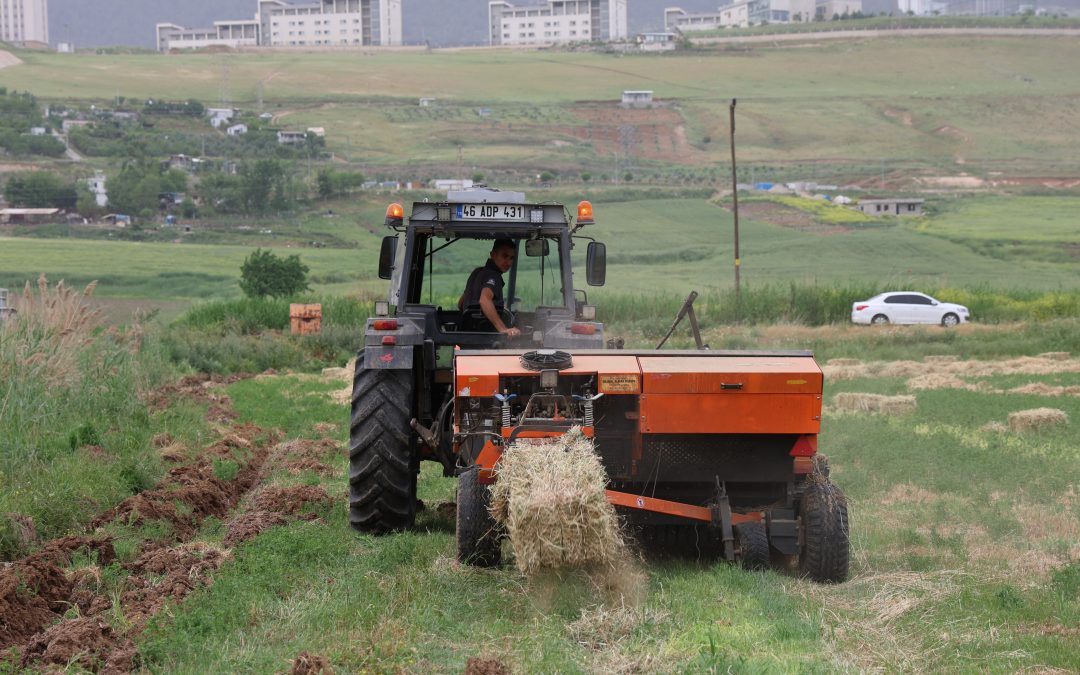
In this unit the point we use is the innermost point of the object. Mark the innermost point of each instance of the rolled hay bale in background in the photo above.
(873, 403)
(1037, 419)
(549, 495)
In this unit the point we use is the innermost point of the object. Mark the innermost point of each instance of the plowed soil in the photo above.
(38, 592)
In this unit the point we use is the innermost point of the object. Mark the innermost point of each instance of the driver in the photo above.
(485, 286)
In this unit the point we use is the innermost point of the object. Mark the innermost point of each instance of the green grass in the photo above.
(950, 538)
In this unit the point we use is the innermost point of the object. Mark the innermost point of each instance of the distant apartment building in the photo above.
(289, 23)
(829, 8)
(24, 22)
(556, 21)
(232, 34)
(741, 14)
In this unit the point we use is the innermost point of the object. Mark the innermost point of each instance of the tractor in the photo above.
(718, 447)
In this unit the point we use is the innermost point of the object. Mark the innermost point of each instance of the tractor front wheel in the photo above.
(753, 543)
(826, 540)
(477, 533)
(382, 454)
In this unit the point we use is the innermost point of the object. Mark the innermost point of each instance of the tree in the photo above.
(135, 190)
(40, 190)
(265, 274)
(86, 202)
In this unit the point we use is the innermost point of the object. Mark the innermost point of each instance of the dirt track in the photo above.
(8, 59)
(57, 614)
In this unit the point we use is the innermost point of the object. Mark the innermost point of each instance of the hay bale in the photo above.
(1037, 419)
(938, 381)
(549, 495)
(873, 403)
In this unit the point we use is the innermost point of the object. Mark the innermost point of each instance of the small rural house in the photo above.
(637, 99)
(291, 137)
(237, 130)
(896, 206)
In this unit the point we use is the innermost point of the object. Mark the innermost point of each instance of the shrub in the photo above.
(265, 274)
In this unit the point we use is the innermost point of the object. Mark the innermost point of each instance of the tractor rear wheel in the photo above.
(753, 546)
(826, 540)
(477, 533)
(382, 454)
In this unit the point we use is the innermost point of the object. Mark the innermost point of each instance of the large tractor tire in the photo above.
(826, 539)
(477, 535)
(753, 543)
(382, 452)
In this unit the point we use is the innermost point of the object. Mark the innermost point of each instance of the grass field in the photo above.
(798, 106)
(965, 559)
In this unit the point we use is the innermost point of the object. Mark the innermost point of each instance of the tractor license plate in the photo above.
(491, 212)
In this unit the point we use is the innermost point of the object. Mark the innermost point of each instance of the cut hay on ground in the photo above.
(549, 495)
(873, 403)
(1037, 419)
(1050, 363)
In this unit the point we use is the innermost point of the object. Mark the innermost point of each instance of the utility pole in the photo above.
(735, 199)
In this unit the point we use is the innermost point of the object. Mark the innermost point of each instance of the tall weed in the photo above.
(75, 436)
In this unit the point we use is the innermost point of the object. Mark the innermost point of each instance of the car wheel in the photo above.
(879, 320)
(950, 320)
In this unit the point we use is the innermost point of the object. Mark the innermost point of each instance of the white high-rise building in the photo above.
(24, 21)
(296, 23)
(556, 21)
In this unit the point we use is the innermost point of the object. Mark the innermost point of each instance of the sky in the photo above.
(442, 23)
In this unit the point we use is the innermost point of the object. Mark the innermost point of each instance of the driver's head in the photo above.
(503, 253)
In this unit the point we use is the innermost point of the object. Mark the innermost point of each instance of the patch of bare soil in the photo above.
(649, 133)
(8, 59)
(250, 525)
(199, 388)
(307, 663)
(289, 500)
(787, 216)
(479, 666)
(88, 642)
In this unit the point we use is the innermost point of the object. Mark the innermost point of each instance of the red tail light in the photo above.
(805, 446)
(385, 324)
(389, 340)
(583, 329)
(859, 308)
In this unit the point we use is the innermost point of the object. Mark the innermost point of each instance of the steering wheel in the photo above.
(508, 317)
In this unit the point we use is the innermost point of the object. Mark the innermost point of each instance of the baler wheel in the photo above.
(382, 461)
(826, 539)
(477, 536)
(753, 546)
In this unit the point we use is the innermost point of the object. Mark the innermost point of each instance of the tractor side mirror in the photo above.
(596, 264)
(386, 257)
(536, 248)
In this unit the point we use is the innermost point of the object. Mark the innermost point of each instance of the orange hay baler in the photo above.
(721, 445)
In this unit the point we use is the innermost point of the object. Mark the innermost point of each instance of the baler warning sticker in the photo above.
(619, 384)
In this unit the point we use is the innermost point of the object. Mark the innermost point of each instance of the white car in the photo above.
(908, 307)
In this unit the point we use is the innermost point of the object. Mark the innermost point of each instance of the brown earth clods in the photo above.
(475, 666)
(249, 525)
(289, 500)
(307, 663)
(37, 592)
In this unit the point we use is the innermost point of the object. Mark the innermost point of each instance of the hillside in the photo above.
(831, 112)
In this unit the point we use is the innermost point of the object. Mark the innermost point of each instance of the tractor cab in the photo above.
(432, 253)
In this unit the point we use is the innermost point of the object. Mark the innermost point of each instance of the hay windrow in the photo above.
(549, 495)
(1037, 419)
(855, 402)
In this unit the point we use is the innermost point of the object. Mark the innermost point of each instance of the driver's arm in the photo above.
(487, 306)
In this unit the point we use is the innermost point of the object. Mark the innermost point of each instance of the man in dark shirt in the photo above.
(485, 286)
